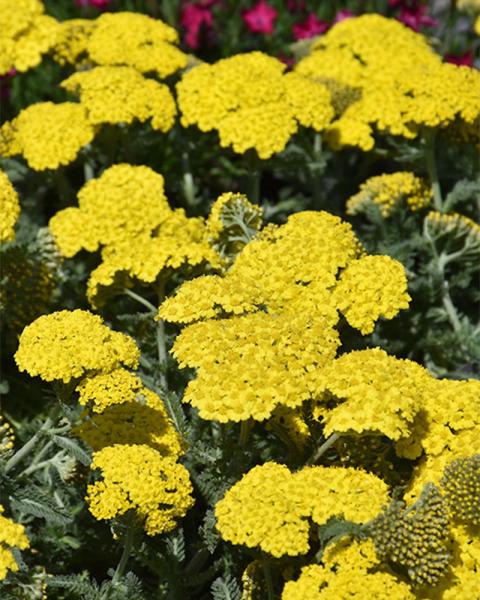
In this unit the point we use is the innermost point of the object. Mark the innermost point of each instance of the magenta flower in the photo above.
(193, 18)
(260, 18)
(100, 4)
(415, 18)
(310, 27)
(462, 60)
(342, 15)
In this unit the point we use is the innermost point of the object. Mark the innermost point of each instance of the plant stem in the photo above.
(127, 550)
(245, 427)
(323, 448)
(268, 580)
(188, 182)
(28, 447)
(161, 341)
(254, 176)
(316, 171)
(430, 137)
(139, 299)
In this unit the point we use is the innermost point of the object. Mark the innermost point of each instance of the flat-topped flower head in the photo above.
(47, 135)
(389, 192)
(25, 34)
(141, 420)
(270, 506)
(137, 477)
(66, 345)
(9, 208)
(71, 44)
(251, 103)
(99, 391)
(377, 393)
(12, 535)
(136, 40)
(460, 486)
(122, 203)
(122, 95)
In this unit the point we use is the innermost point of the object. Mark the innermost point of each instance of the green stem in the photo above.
(268, 580)
(323, 448)
(316, 170)
(161, 341)
(30, 445)
(430, 137)
(254, 176)
(127, 550)
(188, 182)
(140, 299)
(245, 427)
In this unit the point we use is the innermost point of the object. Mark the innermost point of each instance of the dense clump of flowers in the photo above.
(143, 420)
(389, 192)
(122, 95)
(12, 535)
(47, 135)
(9, 208)
(72, 40)
(251, 103)
(67, 344)
(102, 390)
(348, 569)
(369, 288)
(135, 40)
(376, 393)
(289, 287)
(25, 34)
(461, 489)
(453, 226)
(139, 478)
(404, 85)
(122, 203)
(7, 436)
(415, 538)
(269, 507)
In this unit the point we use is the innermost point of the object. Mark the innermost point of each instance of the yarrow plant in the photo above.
(239, 300)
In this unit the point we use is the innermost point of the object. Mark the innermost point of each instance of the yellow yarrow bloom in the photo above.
(476, 26)
(455, 225)
(369, 288)
(25, 34)
(122, 203)
(67, 344)
(12, 535)
(9, 208)
(269, 507)
(389, 191)
(7, 436)
(377, 393)
(47, 135)
(251, 103)
(351, 573)
(270, 360)
(71, 45)
(143, 420)
(135, 40)
(122, 95)
(138, 477)
(103, 390)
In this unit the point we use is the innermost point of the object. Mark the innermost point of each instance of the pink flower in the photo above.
(342, 15)
(463, 60)
(310, 27)
(260, 18)
(415, 18)
(100, 4)
(193, 18)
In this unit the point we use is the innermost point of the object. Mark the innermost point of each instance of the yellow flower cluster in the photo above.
(47, 135)
(439, 224)
(72, 41)
(125, 412)
(390, 191)
(251, 103)
(25, 34)
(12, 535)
(66, 344)
(348, 570)
(473, 5)
(135, 40)
(122, 203)
(376, 393)
(369, 288)
(9, 208)
(122, 95)
(274, 355)
(7, 435)
(461, 488)
(270, 506)
(403, 84)
(138, 477)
